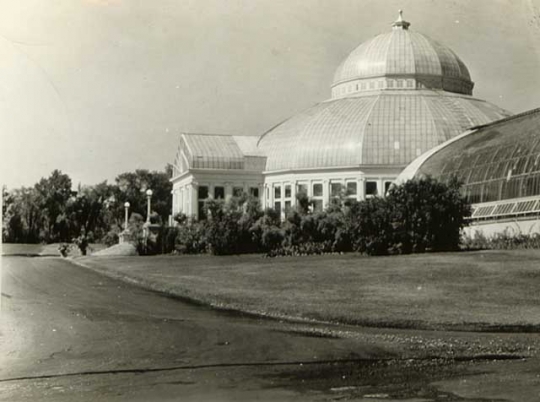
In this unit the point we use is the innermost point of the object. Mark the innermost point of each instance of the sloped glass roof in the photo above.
(497, 162)
(381, 128)
(214, 151)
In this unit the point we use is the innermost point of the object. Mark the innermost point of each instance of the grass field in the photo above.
(491, 290)
(43, 249)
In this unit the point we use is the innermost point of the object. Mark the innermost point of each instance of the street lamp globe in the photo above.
(126, 207)
(149, 193)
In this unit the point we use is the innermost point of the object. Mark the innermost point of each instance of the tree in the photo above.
(22, 216)
(132, 186)
(90, 211)
(53, 193)
(427, 214)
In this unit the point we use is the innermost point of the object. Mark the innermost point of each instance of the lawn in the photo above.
(491, 290)
(42, 249)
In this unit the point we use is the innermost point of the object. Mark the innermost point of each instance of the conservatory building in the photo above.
(499, 166)
(393, 98)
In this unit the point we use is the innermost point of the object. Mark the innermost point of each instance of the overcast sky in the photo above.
(99, 87)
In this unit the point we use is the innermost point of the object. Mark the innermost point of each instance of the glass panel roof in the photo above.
(504, 158)
(381, 128)
(401, 54)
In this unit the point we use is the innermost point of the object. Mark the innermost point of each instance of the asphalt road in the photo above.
(70, 334)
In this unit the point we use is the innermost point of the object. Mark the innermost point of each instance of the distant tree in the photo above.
(53, 193)
(90, 211)
(22, 216)
(132, 186)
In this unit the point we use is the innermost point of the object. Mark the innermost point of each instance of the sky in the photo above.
(96, 88)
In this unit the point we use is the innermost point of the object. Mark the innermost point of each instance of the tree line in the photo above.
(52, 211)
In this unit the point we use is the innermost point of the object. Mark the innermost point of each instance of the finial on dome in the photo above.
(400, 23)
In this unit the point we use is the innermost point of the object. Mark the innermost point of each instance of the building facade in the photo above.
(393, 98)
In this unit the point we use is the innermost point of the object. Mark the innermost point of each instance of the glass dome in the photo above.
(402, 54)
(394, 98)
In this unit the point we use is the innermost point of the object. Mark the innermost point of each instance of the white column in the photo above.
(271, 196)
(261, 194)
(294, 183)
(361, 189)
(174, 202)
(193, 201)
(228, 191)
(184, 200)
(326, 193)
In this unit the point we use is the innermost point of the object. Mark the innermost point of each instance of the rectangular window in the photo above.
(254, 192)
(219, 192)
(335, 189)
(352, 188)
(277, 192)
(400, 83)
(287, 206)
(317, 190)
(287, 191)
(371, 188)
(387, 185)
(237, 191)
(277, 206)
(202, 193)
(302, 188)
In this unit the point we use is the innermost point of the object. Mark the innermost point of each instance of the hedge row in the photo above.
(417, 216)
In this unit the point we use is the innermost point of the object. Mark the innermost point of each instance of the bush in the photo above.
(420, 215)
(427, 215)
(501, 241)
(111, 238)
(190, 238)
(82, 243)
(370, 227)
(64, 249)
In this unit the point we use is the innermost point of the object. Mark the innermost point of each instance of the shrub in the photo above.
(427, 215)
(64, 249)
(501, 241)
(222, 228)
(371, 230)
(81, 242)
(190, 238)
(111, 238)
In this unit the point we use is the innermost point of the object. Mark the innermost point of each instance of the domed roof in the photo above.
(403, 54)
(389, 128)
(394, 98)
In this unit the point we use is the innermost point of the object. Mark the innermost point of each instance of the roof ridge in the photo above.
(506, 119)
(210, 134)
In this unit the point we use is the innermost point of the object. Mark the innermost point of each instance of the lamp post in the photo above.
(126, 207)
(148, 197)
